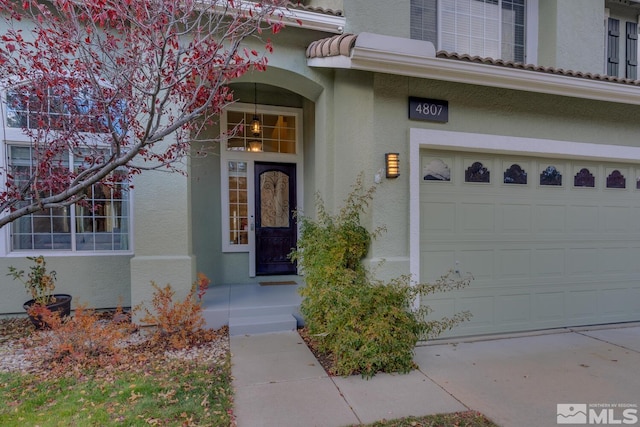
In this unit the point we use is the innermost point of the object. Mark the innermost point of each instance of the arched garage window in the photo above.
(101, 221)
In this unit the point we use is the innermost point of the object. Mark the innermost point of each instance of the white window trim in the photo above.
(622, 47)
(493, 144)
(17, 137)
(531, 30)
(250, 158)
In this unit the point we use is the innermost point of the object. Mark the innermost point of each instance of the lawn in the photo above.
(148, 385)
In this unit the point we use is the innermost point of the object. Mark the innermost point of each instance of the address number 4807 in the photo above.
(429, 109)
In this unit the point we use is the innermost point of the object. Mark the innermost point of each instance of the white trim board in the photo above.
(496, 144)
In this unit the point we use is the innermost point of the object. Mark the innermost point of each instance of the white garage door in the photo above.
(549, 242)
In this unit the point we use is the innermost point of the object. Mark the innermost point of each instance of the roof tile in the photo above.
(531, 67)
(341, 45)
(299, 6)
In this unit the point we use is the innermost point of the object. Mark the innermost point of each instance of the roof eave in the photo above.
(428, 67)
(313, 20)
(290, 16)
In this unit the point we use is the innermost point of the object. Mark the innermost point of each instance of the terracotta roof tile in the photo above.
(343, 43)
(531, 67)
(299, 6)
(332, 46)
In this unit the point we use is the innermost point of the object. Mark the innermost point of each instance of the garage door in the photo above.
(549, 242)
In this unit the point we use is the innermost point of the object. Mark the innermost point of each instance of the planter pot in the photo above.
(61, 305)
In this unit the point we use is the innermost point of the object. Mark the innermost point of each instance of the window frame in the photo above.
(250, 157)
(16, 137)
(530, 31)
(623, 19)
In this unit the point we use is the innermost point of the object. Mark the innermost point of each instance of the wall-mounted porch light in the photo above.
(392, 164)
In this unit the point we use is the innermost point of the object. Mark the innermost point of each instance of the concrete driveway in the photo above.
(520, 381)
(516, 381)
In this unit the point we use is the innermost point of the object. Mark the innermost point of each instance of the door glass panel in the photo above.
(274, 199)
(238, 218)
(277, 135)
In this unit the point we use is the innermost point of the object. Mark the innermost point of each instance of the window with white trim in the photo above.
(486, 28)
(621, 44)
(100, 223)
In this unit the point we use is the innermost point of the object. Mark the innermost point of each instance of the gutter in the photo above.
(414, 58)
(328, 23)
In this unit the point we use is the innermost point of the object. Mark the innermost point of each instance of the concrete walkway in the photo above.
(515, 381)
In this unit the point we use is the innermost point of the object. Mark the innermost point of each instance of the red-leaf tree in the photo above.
(123, 85)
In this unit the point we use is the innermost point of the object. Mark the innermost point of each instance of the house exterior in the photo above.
(515, 126)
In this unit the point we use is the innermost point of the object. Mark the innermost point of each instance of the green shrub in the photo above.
(366, 325)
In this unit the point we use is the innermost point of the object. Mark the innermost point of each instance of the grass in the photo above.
(147, 389)
(458, 419)
(181, 394)
(144, 388)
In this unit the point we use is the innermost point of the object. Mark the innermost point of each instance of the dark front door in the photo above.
(276, 235)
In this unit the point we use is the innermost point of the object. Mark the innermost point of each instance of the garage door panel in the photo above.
(438, 217)
(482, 309)
(612, 301)
(615, 260)
(549, 262)
(514, 263)
(634, 299)
(582, 261)
(549, 218)
(581, 304)
(549, 306)
(634, 253)
(515, 218)
(541, 255)
(441, 307)
(616, 219)
(436, 263)
(583, 218)
(477, 217)
(635, 216)
(480, 263)
(514, 308)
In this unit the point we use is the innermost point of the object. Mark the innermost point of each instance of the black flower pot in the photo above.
(61, 305)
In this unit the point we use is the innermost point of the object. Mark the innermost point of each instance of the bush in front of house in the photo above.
(365, 325)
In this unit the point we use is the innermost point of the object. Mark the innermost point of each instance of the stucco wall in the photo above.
(471, 109)
(389, 17)
(98, 281)
(571, 34)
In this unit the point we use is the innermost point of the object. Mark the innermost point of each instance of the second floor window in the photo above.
(622, 47)
(487, 28)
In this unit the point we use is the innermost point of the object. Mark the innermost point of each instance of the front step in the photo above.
(251, 325)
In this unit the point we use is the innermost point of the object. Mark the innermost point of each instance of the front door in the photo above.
(276, 231)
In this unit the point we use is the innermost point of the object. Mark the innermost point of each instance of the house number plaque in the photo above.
(433, 110)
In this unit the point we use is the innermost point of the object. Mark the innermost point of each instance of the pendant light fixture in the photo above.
(255, 123)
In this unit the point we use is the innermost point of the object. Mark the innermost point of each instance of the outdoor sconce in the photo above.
(392, 164)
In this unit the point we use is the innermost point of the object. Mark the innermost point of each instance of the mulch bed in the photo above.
(325, 359)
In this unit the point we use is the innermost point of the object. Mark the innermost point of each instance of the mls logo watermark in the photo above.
(597, 413)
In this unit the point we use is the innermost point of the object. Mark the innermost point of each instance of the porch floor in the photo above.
(257, 308)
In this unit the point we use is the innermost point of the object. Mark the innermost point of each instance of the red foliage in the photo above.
(177, 323)
(121, 75)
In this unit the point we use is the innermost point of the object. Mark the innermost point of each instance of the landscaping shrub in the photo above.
(178, 324)
(83, 341)
(366, 325)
